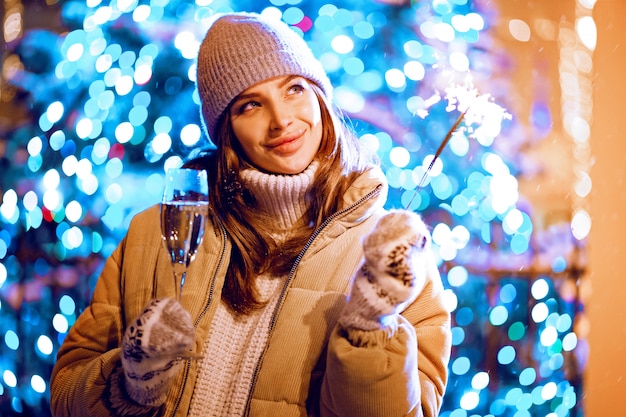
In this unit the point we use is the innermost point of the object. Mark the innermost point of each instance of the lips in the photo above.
(284, 141)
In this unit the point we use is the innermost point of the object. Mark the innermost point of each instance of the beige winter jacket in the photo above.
(308, 368)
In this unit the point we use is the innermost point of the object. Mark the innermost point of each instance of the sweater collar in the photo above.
(281, 196)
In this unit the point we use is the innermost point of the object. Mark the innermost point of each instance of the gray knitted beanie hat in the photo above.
(242, 49)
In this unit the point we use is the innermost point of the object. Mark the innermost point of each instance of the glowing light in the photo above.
(549, 391)
(587, 31)
(396, 80)
(124, 85)
(441, 233)
(88, 184)
(73, 211)
(30, 200)
(349, 99)
(506, 355)
(141, 13)
(460, 365)
(548, 336)
(527, 377)
(72, 238)
(414, 70)
(539, 312)
(69, 165)
(539, 289)
(399, 156)
(35, 146)
(52, 200)
(12, 340)
(114, 168)
(55, 111)
(190, 134)
(114, 193)
(138, 115)
(342, 44)
(480, 380)
(84, 127)
(51, 179)
(162, 143)
(505, 194)
(38, 384)
(187, 43)
(570, 341)
(516, 331)
(579, 129)
(581, 224)
(60, 323)
(470, 400)
(12, 26)
(519, 30)
(103, 63)
(460, 236)
(67, 305)
(353, 66)
(126, 5)
(458, 336)
(44, 344)
(498, 315)
(124, 132)
(84, 168)
(9, 378)
(459, 61)
(460, 23)
(440, 31)
(75, 52)
(457, 276)
(589, 4)
(143, 74)
(508, 293)
(57, 140)
(513, 220)
(363, 30)
(475, 21)
(450, 299)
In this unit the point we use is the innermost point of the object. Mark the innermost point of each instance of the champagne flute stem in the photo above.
(180, 288)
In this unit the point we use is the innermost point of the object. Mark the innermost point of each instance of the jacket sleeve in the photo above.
(399, 374)
(87, 379)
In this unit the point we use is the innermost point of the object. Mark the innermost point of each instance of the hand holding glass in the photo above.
(184, 210)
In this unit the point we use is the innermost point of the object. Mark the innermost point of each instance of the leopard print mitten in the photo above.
(152, 349)
(392, 275)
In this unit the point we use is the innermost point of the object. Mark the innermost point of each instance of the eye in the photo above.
(296, 88)
(245, 106)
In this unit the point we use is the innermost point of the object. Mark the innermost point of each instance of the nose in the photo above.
(280, 116)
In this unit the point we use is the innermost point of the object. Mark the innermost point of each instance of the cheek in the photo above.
(316, 119)
(244, 133)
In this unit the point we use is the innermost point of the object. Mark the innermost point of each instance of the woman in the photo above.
(306, 296)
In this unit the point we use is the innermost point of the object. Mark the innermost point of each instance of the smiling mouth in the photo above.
(285, 142)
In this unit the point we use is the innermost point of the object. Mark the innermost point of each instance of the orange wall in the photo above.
(605, 383)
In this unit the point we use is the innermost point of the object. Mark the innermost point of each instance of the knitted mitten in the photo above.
(152, 349)
(392, 275)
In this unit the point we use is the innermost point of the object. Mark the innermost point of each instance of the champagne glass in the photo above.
(184, 212)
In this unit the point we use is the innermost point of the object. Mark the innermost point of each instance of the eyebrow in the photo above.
(252, 95)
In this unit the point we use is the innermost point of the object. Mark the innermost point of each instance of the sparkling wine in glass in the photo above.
(184, 212)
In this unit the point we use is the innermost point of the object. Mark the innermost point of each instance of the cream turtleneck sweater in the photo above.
(235, 342)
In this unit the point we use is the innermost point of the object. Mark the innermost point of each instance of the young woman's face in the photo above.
(278, 124)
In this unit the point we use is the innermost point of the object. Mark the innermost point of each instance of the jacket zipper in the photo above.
(202, 313)
(292, 272)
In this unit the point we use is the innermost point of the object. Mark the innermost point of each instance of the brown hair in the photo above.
(341, 159)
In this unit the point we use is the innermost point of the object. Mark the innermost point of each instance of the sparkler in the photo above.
(475, 109)
(442, 145)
